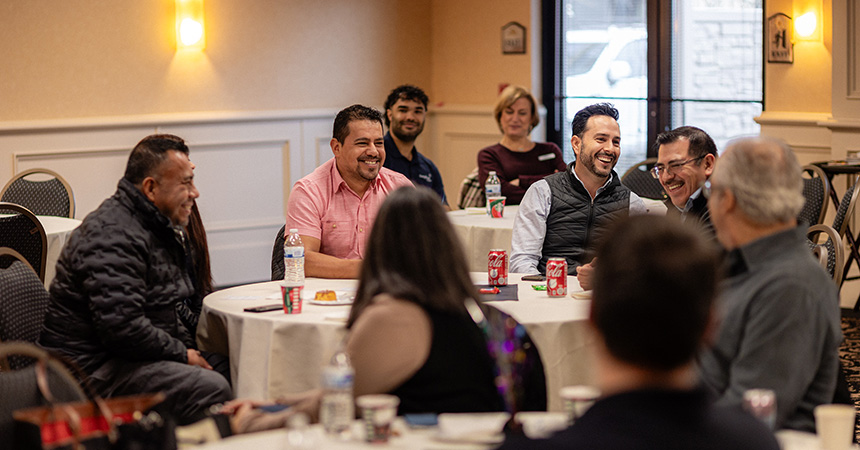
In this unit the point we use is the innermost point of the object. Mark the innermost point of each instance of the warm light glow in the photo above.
(190, 32)
(190, 28)
(805, 25)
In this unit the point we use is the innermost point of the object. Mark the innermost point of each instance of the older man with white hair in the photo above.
(780, 326)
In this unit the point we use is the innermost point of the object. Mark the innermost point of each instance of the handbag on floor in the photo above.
(121, 423)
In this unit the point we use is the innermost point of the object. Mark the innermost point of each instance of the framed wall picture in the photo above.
(779, 38)
(513, 39)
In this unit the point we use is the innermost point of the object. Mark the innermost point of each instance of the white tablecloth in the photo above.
(273, 353)
(57, 230)
(481, 233)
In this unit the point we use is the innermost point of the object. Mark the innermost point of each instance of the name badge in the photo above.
(546, 157)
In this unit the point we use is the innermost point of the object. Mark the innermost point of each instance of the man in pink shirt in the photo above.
(335, 205)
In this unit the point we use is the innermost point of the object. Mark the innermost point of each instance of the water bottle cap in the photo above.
(294, 230)
(492, 172)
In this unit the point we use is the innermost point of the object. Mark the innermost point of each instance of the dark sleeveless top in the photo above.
(458, 374)
(575, 224)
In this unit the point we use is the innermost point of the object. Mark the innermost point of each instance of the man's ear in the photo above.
(147, 186)
(575, 143)
(709, 161)
(335, 146)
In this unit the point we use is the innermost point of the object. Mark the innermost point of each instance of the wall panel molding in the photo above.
(246, 163)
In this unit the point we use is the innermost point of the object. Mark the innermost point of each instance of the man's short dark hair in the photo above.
(580, 120)
(149, 153)
(404, 92)
(701, 143)
(351, 114)
(654, 284)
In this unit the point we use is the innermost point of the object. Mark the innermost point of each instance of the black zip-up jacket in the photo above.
(119, 279)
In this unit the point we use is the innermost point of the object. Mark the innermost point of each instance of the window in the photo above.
(613, 51)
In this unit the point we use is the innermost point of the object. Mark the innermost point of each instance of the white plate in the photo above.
(346, 301)
(476, 210)
(581, 295)
(471, 438)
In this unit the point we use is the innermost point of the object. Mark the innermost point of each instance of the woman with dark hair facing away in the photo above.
(517, 160)
(410, 330)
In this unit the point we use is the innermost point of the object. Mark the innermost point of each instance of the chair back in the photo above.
(278, 255)
(20, 389)
(23, 304)
(816, 187)
(639, 180)
(846, 209)
(23, 232)
(471, 191)
(826, 246)
(45, 197)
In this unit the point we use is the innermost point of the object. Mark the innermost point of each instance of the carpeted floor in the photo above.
(849, 353)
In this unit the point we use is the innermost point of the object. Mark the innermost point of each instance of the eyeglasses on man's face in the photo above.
(671, 167)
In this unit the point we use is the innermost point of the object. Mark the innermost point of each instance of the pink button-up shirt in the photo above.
(322, 206)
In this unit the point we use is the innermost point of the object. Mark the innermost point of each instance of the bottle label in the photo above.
(294, 252)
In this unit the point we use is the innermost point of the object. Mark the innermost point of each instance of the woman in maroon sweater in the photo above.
(517, 160)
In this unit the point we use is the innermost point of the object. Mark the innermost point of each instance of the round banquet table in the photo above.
(274, 353)
(481, 233)
(57, 231)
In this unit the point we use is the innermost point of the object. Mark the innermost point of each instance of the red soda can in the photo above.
(556, 277)
(497, 267)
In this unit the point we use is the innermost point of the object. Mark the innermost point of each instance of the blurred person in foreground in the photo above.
(685, 160)
(780, 321)
(517, 160)
(334, 206)
(120, 280)
(652, 309)
(565, 214)
(405, 113)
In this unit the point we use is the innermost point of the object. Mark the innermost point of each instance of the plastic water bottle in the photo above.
(492, 188)
(294, 260)
(337, 409)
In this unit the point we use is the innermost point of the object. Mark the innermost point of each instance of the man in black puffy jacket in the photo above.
(119, 279)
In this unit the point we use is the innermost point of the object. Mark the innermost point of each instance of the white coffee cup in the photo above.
(834, 425)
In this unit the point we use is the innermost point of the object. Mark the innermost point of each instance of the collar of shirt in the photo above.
(689, 205)
(762, 250)
(600, 189)
(337, 181)
(391, 150)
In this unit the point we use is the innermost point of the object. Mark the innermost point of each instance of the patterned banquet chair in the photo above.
(816, 186)
(23, 303)
(23, 232)
(51, 197)
(20, 389)
(830, 253)
(278, 255)
(638, 179)
(846, 209)
(471, 191)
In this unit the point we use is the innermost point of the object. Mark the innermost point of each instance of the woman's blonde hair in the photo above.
(508, 97)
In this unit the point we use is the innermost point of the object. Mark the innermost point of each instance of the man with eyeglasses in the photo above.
(685, 160)
(779, 326)
(565, 214)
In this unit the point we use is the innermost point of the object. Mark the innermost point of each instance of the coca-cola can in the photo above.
(497, 267)
(556, 277)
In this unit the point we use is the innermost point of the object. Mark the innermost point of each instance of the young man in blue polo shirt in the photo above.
(405, 110)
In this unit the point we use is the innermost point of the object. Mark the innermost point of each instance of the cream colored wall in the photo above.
(88, 58)
(467, 69)
(805, 85)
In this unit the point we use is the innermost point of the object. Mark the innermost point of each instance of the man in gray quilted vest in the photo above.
(119, 280)
(565, 214)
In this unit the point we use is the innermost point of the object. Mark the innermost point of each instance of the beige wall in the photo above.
(805, 85)
(84, 58)
(467, 59)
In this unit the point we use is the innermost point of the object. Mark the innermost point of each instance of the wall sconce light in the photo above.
(807, 22)
(190, 32)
